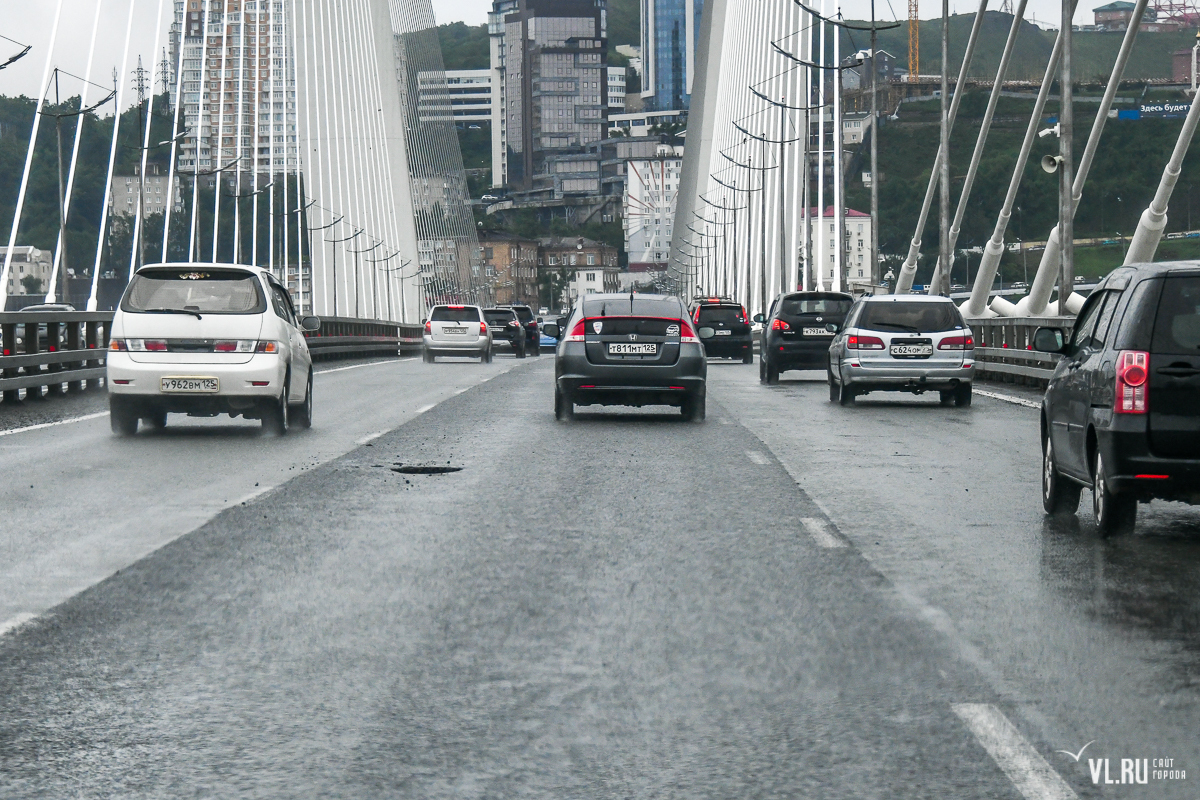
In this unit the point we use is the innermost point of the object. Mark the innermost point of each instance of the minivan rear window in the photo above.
(212, 291)
(1177, 325)
(795, 306)
(727, 314)
(924, 317)
(454, 314)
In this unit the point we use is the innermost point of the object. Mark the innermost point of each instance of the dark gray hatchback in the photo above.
(630, 349)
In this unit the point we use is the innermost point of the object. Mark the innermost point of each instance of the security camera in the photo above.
(1044, 133)
(1051, 164)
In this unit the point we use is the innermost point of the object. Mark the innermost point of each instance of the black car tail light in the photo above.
(1133, 369)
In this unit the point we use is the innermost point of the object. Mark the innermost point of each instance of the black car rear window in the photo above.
(730, 315)
(1177, 325)
(498, 317)
(795, 306)
(900, 315)
(454, 314)
(621, 305)
(213, 291)
(524, 313)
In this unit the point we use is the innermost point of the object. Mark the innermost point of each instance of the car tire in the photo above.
(962, 395)
(762, 370)
(846, 394)
(772, 374)
(1115, 514)
(122, 416)
(301, 414)
(155, 418)
(276, 417)
(834, 391)
(1060, 497)
(486, 357)
(564, 409)
(427, 356)
(520, 352)
(748, 356)
(537, 346)
(947, 397)
(693, 408)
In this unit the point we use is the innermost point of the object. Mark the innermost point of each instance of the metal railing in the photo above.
(56, 352)
(1004, 348)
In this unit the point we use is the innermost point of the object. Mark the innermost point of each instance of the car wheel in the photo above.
(276, 417)
(427, 356)
(1115, 514)
(486, 357)
(1059, 495)
(962, 395)
(302, 413)
(521, 352)
(564, 409)
(846, 394)
(537, 346)
(833, 387)
(122, 416)
(155, 418)
(947, 397)
(772, 373)
(762, 370)
(748, 356)
(693, 408)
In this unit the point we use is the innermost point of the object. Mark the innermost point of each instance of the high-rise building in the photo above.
(549, 58)
(651, 185)
(670, 33)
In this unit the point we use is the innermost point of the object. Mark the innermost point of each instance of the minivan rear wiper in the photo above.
(195, 314)
(901, 326)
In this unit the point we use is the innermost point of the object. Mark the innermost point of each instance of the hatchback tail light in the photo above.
(1133, 370)
(864, 343)
(780, 325)
(578, 333)
(686, 334)
(957, 343)
(429, 327)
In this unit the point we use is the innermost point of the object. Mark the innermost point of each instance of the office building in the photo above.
(670, 33)
(123, 198)
(470, 91)
(857, 247)
(648, 207)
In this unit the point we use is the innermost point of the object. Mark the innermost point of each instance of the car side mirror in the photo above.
(831, 327)
(1049, 340)
(550, 329)
(540, 320)
(706, 332)
(310, 323)
(758, 318)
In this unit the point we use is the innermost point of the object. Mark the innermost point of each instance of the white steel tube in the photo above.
(1154, 219)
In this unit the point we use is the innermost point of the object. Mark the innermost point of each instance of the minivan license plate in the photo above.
(190, 384)
(620, 349)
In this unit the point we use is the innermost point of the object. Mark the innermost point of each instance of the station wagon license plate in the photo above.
(189, 384)
(911, 350)
(815, 332)
(622, 349)
(454, 331)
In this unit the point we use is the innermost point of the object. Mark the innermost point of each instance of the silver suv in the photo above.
(903, 343)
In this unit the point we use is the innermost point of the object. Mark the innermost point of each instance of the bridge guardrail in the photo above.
(52, 349)
(1004, 348)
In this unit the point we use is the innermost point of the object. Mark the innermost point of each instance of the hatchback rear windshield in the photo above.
(621, 306)
(498, 317)
(454, 314)
(212, 291)
(726, 314)
(901, 316)
(1177, 326)
(795, 306)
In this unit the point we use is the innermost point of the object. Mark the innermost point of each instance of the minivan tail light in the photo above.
(957, 343)
(1133, 369)
(864, 343)
(780, 325)
(578, 333)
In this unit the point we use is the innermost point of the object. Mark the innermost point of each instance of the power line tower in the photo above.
(164, 70)
(1006, 7)
(914, 41)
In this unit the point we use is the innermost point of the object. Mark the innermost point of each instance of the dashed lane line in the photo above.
(818, 529)
(13, 623)
(1029, 772)
(757, 457)
(360, 366)
(423, 409)
(1007, 398)
(369, 437)
(42, 425)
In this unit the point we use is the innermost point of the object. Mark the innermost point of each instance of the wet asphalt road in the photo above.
(788, 600)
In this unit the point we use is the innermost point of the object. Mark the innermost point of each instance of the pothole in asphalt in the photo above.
(424, 469)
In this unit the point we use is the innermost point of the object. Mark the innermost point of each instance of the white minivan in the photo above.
(208, 339)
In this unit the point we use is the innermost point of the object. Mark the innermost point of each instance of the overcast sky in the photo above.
(31, 22)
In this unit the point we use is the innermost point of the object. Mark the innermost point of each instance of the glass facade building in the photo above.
(670, 32)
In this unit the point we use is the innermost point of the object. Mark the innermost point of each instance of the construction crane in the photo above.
(914, 42)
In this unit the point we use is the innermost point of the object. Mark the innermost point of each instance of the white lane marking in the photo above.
(360, 366)
(256, 493)
(423, 409)
(39, 426)
(369, 438)
(1029, 772)
(757, 457)
(821, 534)
(15, 622)
(1008, 398)
(460, 391)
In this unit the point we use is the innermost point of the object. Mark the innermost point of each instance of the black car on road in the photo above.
(797, 331)
(506, 329)
(731, 329)
(629, 349)
(1121, 413)
(533, 334)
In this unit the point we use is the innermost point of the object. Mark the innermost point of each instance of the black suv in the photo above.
(797, 331)
(506, 329)
(1122, 411)
(731, 336)
(533, 334)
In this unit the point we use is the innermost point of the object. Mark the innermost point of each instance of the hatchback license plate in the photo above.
(190, 384)
(724, 333)
(815, 332)
(617, 349)
(911, 350)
